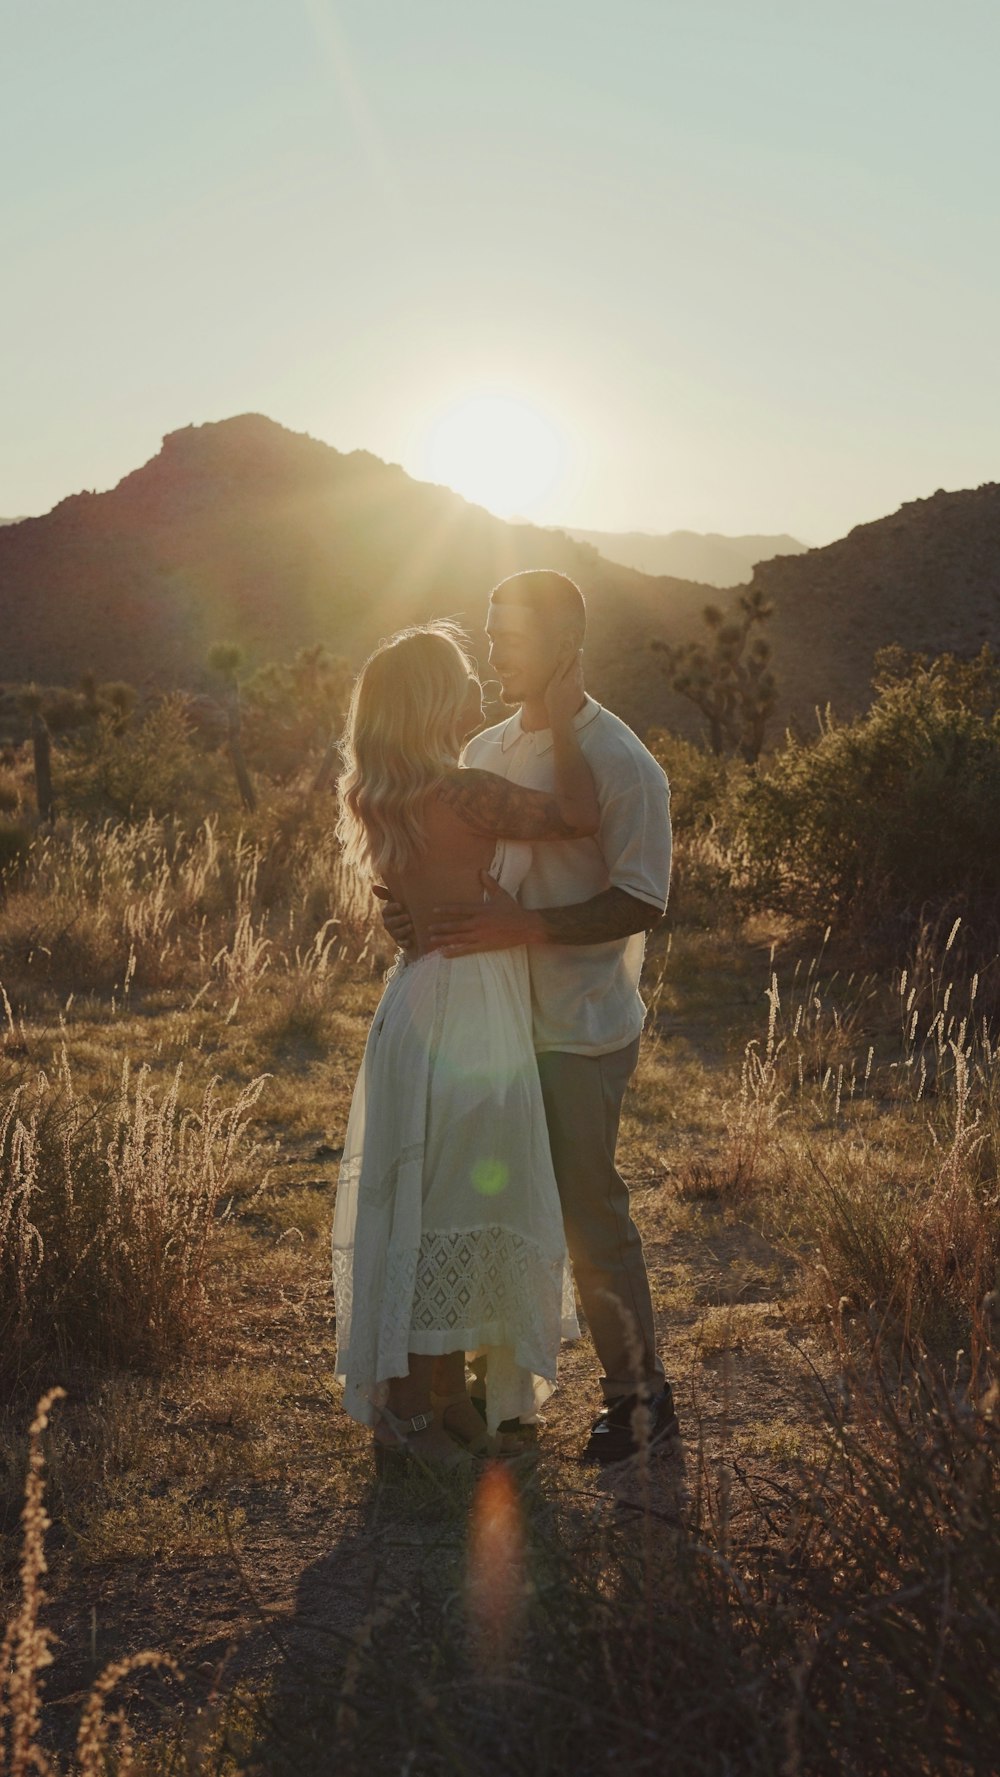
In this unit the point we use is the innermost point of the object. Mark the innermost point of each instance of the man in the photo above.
(585, 908)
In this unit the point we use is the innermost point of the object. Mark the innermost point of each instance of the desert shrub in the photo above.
(704, 787)
(896, 1555)
(880, 821)
(153, 766)
(94, 905)
(291, 709)
(64, 710)
(705, 790)
(106, 1216)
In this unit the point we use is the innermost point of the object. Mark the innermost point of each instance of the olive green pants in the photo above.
(583, 1105)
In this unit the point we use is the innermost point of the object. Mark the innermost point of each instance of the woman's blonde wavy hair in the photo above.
(402, 735)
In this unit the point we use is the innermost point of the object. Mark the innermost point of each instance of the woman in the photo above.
(447, 1234)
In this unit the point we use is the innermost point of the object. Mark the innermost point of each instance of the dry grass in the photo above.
(107, 1212)
(25, 1653)
(117, 909)
(814, 1156)
(865, 1129)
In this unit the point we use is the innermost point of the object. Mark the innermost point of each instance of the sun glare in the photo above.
(497, 451)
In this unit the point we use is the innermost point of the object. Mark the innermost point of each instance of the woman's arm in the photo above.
(501, 810)
(498, 809)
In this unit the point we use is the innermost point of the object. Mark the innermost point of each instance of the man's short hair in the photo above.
(553, 597)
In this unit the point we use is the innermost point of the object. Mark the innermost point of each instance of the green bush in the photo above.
(290, 710)
(888, 820)
(704, 787)
(705, 790)
(150, 767)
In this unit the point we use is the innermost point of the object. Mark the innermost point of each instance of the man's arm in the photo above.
(614, 913)
(501, 922)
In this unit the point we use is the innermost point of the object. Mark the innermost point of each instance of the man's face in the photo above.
(523, 654)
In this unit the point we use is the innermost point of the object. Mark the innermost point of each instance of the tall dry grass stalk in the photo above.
(25, 1653)
(752, 1117)
(93, 1745)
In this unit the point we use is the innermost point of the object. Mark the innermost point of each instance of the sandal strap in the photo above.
(401, 1427)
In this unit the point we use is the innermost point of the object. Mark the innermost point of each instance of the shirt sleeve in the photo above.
(635, 835)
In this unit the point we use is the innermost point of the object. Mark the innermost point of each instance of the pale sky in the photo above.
(721, 264)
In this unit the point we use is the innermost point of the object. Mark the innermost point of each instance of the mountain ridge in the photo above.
(708, 557)
(242, 530)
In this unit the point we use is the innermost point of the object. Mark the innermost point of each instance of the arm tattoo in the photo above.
(500, 810)
(613, 914)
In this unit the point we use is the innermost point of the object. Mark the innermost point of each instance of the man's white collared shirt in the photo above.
(585, 998)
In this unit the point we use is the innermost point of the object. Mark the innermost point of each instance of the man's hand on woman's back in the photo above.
(395, 918)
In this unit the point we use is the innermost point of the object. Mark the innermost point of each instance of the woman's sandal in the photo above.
(516, 1437)
(480, 1442)
(418, 1440)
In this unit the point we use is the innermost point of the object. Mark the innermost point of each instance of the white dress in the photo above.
(447, 1232)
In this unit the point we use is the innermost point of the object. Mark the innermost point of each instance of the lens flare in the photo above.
(496, 1578)
(489, 1177)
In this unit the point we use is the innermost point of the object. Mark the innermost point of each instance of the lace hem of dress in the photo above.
(477, 1276)
(461, 1288)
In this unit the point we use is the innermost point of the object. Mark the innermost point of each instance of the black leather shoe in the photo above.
(612, 1438)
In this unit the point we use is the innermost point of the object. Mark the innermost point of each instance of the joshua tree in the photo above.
(41, 748)
(728, 676)
(226, 660)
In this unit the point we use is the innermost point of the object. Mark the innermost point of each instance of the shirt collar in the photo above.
(542, 737)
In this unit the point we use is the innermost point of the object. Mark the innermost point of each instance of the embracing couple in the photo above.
(522, 868)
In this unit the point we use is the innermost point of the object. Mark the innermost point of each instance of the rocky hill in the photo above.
(707, 556)
(243, 531)
(927, 577)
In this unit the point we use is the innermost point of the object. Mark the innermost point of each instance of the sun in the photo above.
(496, 450)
